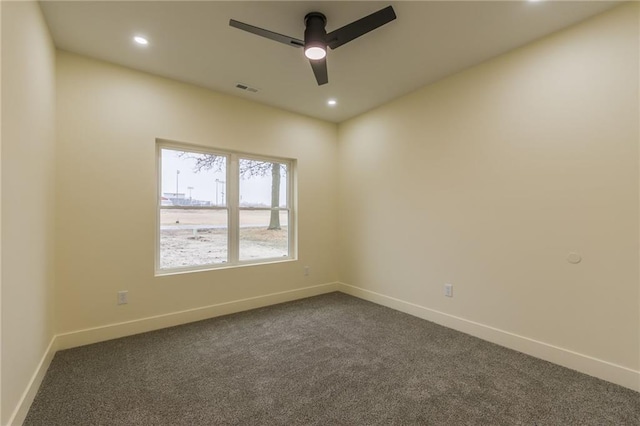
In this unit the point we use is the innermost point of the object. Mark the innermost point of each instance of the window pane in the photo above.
(192, 237)
(263, 184)
(193, 179)
(257, 240)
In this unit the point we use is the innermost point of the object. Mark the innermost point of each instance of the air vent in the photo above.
(246, 87)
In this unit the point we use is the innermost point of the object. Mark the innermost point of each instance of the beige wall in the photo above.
(28, 136)
(489, 178)
(108, 120)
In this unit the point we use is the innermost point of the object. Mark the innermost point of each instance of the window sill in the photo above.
(208, 268)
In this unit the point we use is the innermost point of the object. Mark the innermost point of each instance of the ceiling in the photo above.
(193, 42)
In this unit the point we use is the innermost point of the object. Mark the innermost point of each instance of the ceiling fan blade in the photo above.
(266, 33)
(360, 27)
(319, 67)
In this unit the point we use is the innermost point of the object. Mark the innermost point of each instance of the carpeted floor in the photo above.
(331, 359)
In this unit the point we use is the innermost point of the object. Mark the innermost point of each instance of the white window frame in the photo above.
(232, 190)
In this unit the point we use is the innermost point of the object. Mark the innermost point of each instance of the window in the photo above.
(218, 208)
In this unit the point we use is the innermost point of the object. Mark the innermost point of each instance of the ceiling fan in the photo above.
(316, 40)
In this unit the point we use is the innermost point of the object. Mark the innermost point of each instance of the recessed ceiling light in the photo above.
(141, 40)
(332, 102)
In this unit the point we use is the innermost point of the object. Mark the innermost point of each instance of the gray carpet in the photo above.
(331, 359)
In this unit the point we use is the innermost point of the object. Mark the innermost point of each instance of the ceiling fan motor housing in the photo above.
(315, 34)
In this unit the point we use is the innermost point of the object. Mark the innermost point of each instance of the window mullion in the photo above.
(233, 201)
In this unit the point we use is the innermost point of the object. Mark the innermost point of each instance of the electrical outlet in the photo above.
(306, 271)
(123, 297)
(448, 290)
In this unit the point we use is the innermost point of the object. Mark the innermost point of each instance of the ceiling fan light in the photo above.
(315, 52)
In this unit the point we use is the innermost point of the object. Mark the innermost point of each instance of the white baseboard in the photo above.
(595, 367)
(601, 369)
(128, 328)
(20, 413)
